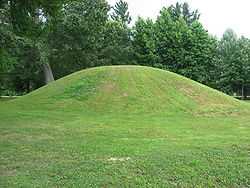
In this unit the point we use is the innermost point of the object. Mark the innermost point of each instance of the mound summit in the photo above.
(129, 90)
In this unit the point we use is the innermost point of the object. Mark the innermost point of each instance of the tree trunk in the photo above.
(28, 86)
(244, 96)
(48, 75)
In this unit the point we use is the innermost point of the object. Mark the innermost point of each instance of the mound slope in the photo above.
(129, 89)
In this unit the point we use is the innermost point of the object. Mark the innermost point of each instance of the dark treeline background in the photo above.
(45, 40)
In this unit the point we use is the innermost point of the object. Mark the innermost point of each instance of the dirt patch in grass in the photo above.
(195, 95)
(121, 159)
(7, 172)
(108, 87)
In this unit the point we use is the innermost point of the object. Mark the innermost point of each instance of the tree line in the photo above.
(42, 40)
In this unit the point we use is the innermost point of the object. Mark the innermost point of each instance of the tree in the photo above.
(229, 62)
(202, 53)
(144, 43)
(171, 43)
(8, 48)
(77, 37)
(7, 39)
(234, 54)
(184, 11)
(244, 69)
(17, 57)
(183, 48)
(116, 47)
(30, 19)
(171, 37)
(121, 13)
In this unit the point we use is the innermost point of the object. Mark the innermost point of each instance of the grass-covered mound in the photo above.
(124, 126)
(130, 90)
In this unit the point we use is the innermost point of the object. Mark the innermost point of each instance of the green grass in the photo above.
(3, 99)
(125, 126)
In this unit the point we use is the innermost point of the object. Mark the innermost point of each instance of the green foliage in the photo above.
(77, 36)
(29, 16)
(172, 37)
(200, 60)
(116, 46)
(172, 43)
(183, 11)
(234, 63)
(121, 13)
(244, 59)
(144, 42)
(24, 30)
(7, 40)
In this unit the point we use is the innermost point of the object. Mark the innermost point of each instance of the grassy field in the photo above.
(125, 126)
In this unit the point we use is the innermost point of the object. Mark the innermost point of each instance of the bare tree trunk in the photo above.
(48, 75)
(28, 86)
(242, 92)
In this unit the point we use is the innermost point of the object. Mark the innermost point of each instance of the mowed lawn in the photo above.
(123, 152)
(44, 146)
